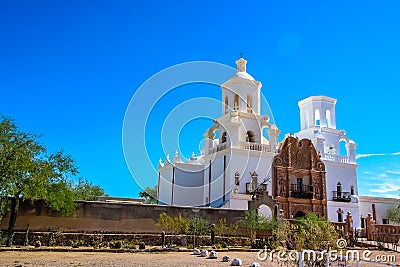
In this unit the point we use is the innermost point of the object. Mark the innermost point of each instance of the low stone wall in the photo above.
(97, 216)
(107, 240)
(387, 233)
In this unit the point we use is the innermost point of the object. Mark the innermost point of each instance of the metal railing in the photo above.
(250, 188)
(302, 191)
(255, 146)
(217, 148)
(341, 196)
(337, 158)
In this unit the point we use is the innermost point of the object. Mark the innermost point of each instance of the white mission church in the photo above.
(246, 167)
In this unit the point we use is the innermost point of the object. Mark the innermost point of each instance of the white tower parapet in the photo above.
(317, 111)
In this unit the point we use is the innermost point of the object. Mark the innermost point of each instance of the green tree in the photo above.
(393, 214)
(28, 172)
(198, 227)
(85, 190)
(149, 194)
(165, 222)
(316, 233)
(221, 227)
(252, 221)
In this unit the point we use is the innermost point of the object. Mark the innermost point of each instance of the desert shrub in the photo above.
(76, 243)
(232, 229)
(142, 245)
(130, 244)
(221, 227)
(38, 244)
(180, 225)
(165, 222)
(116, 244)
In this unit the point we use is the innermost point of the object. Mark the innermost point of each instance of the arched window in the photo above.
(215, 138)
(236, 102)
(226, 104)
(250, 137)
(237, 177)
(343, 147)
(254, 180)
(339, 188)
(317, 118)
(328, 118)
(223, 137)
(340, 215)
(249, 104)
(352, 190)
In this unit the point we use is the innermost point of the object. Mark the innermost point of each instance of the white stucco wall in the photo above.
(165, 186)
(381, 206)
(334, 206)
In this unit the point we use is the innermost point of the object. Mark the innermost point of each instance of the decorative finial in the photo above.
(241, 64)
(241, 55)
(177, 158)
(160, 163)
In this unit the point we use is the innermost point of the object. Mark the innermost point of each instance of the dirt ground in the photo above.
(40, 258)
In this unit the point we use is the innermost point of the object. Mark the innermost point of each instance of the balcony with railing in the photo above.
(255, 188)
(255, 147)
(337, 158)
(301, 191)
(341, 196)
(217, 148)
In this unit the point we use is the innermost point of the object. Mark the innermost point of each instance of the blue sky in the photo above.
(68, 70)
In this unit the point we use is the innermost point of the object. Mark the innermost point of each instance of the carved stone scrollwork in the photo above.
(278, 161)
(320, 166)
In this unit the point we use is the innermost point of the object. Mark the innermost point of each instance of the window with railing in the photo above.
(341, 196)
(255, 188)
(300, 190)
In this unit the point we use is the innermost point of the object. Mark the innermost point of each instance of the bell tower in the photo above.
(241, 92)
(317, 111)
(241, 124)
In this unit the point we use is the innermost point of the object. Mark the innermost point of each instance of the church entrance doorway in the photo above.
(299, 214)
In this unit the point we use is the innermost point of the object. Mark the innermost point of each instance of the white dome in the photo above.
(243, 75)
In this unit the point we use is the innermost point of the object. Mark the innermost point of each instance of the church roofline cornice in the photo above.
(317, 98)
(238, 80)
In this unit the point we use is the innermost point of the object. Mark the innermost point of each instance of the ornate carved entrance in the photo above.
(298, 179)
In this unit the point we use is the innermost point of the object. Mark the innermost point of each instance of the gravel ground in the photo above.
(40, 258)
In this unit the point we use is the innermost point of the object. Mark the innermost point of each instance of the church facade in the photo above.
(244, 166)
